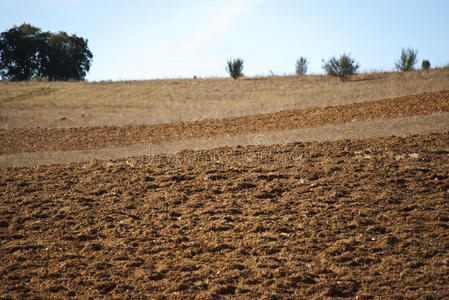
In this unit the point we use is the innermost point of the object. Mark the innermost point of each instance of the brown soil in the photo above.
(44, 139)
(357, 219)
(407, 126)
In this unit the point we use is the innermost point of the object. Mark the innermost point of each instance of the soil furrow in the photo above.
(45, 139)
(359, 219)
(375, 128)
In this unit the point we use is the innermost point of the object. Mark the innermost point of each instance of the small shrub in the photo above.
(425, 65)
(301, 66)
(407, 60)
(342, 67)
(235, 67)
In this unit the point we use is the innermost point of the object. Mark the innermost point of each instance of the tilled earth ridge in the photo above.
(424, 124)
(64, 139)
(345, 219)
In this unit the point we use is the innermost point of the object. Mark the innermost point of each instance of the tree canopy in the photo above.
(26, 52)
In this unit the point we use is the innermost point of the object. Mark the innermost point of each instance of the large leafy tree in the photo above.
(19, 52)
(27, 52)
(64, 57)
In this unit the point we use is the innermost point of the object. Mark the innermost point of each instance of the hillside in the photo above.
(81, 104)
(271, 188)
(41, 139)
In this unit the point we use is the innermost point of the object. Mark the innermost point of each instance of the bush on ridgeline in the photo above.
(425, 65)
(235, 67)
(342, 67)
(301, 66)
(407, 60)
(27, 53)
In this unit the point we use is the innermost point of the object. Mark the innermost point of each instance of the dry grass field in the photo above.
(326, 190)
(81, 104)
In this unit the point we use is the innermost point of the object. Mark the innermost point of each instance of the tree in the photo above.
(26, 52)
(425, 65)
(64, 57)
(301, 66)
(19, 52)
(342, 67)
(407, 60)
(235, 67)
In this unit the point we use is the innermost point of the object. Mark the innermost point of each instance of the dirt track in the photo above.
(366, 219)
(44, 139)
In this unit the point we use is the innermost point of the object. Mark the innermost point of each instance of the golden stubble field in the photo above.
(81, 104)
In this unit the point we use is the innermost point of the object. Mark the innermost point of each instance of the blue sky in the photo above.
(138, 39)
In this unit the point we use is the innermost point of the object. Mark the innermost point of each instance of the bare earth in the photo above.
(357, 219)
(405, 126)
(321, 202)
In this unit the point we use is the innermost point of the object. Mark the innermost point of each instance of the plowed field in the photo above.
(63, 139)
(363, 219)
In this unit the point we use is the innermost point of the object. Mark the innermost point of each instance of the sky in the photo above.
(152, 39)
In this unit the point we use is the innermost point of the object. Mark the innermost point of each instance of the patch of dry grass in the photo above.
(361, 130)
(80, 104)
